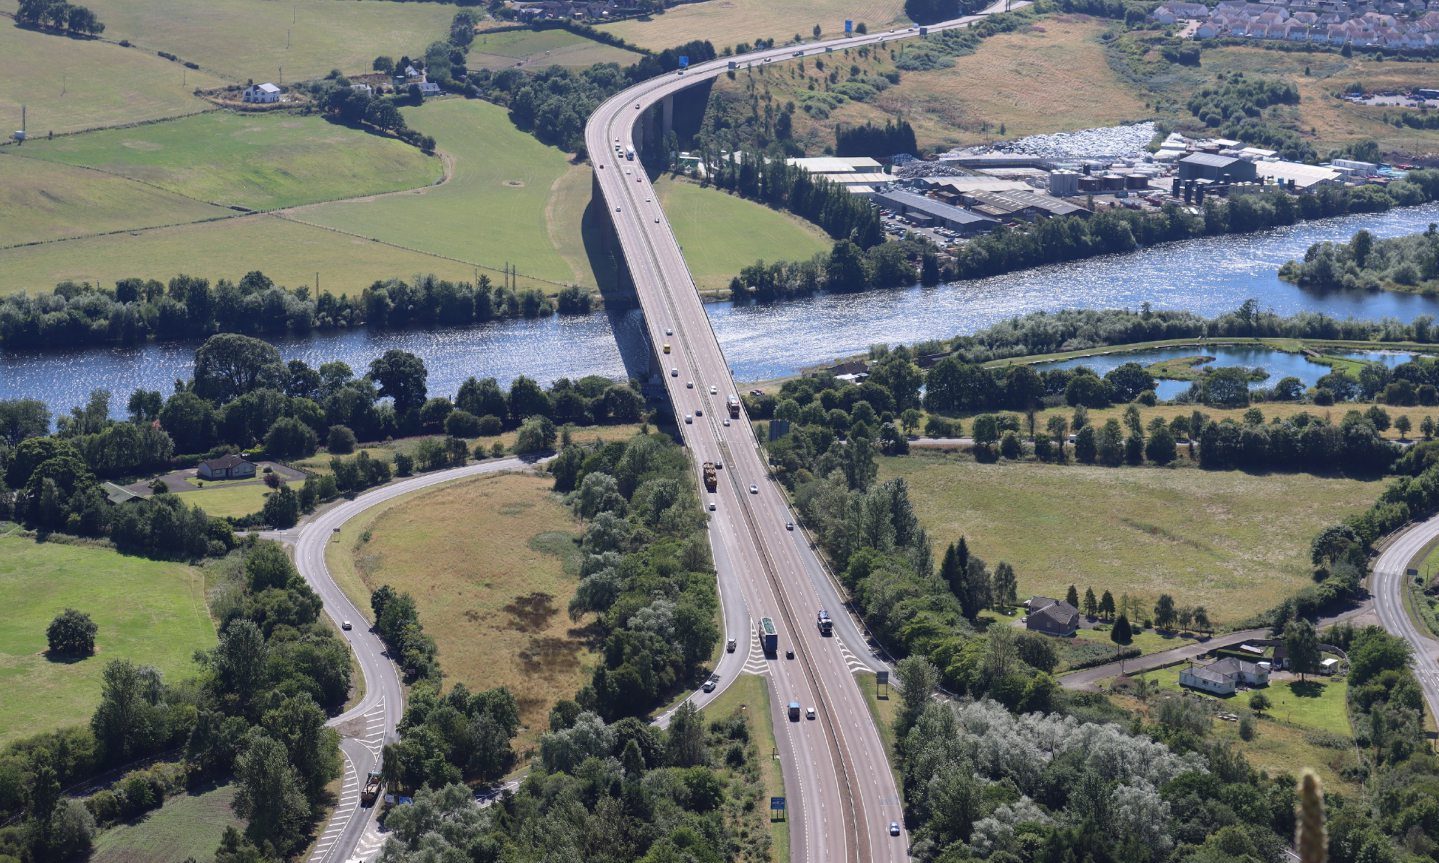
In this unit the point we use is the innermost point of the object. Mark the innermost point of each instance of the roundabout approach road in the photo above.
(1387, 586)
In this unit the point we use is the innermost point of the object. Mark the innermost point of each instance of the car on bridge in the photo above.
(689, 420)
(754, 489)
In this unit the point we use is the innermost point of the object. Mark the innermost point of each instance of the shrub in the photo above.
(341, 440)
(71, 633)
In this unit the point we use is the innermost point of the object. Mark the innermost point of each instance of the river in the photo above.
(1207, 276)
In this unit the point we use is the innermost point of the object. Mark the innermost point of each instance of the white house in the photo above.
(1225, 676)
(226, 467)
(261, 93)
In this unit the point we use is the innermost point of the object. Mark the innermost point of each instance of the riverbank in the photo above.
(1209, 277)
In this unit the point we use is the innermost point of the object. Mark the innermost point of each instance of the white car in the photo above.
(712, 506)
(713, 391)
(657, 220)
(789, 525)
(894, 828)
(347, 626)
(674, 373)
(809, 713)
(689, 420)
(689, 385)
(754, 489)
(726, 422)
(669, 332)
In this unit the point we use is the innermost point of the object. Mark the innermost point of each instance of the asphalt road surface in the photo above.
(1387, 587)
(837, 778)
(369, 725)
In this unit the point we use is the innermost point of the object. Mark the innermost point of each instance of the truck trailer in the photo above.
(371, 791)
(768, 636)
(733, 404)
(822, 620)
(711, 481)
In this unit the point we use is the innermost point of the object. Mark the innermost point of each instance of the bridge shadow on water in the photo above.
(622, 307)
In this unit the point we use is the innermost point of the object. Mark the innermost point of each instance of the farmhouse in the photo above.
(1051, 617)
(429, 88)
(261, 93)
(226, 467)
(1224, 677)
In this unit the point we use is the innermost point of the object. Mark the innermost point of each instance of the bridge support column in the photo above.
(667, 115)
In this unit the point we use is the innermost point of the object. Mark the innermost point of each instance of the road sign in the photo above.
(881, 677)
(848, 26)
(776, 803)
(684, 62)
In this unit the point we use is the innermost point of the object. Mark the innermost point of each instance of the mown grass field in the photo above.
(243, 39)
(505, 202)
(723, 233)
(257, 161)
(73, 84)
(728, 22)
(186, 827)
(1316, 703)
(149, 612)
(228, 499)
(288, 252)
(1233, 542)
(44, 201)
(536, 49)
(492, 564)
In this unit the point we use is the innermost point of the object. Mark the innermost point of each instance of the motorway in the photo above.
(842, 793)
(1387, 587)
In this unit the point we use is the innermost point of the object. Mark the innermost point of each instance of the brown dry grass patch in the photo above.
(491, 563)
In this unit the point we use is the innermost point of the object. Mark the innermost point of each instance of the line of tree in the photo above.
(256, 712)
(188, 307)
(1407, 263)
(1113, 230)
(645, 571)
(874, 140)
(845, 269)
(58, 15)
(553, 103)
(750, 174)
(243, 397)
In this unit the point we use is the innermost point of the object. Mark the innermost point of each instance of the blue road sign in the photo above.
(684, 62)
(848, 26)
(776, 803)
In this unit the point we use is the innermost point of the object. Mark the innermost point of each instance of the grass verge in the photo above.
(750, 693)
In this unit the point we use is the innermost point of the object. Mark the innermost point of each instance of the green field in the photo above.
(726, 23)
(228, 499)
(536, 49)
(187, 827)
(257, 161)
(243, 39)
(286, 251)
(1233, 542)
(504, 203)
(723, 233)
(147, 611)
(73, 84)
(492, 564)
(43, 201)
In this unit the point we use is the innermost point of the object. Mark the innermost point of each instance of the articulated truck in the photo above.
(733, 404)
(371, 791)
(711, 480)
(768, 636)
